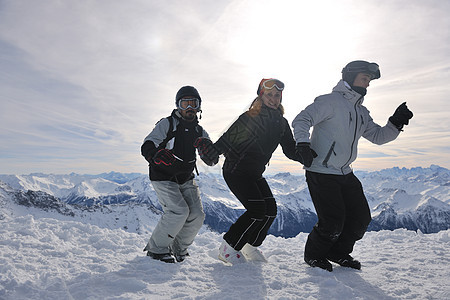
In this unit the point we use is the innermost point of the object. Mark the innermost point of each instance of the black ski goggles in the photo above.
(371, 68)
(187, 103)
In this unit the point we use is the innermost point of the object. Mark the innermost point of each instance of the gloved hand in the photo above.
(164, 156)
(305, 154)
(207, 151)
(401, 116)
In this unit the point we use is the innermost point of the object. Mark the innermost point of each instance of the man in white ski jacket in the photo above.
(339, 120)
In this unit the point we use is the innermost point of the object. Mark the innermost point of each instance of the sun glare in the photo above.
(295, 41)
(277, 35)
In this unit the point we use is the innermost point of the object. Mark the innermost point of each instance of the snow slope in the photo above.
(44, 256)
(51, 250)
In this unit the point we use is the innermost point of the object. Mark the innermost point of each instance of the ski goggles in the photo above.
(371, 68)
(187, 103)
(273, 83)
(268, 84)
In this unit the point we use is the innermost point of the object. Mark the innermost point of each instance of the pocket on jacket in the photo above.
(327, 157)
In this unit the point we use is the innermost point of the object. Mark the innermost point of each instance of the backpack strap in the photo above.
(199, 130)
(169, 136)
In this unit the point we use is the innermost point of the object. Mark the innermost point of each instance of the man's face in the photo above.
(362, 80)
(189, 113)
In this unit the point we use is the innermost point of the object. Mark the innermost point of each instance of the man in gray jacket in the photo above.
(170, 152)
(339, 120)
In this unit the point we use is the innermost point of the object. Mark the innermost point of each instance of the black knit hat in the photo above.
(352, 69)
(187, 91)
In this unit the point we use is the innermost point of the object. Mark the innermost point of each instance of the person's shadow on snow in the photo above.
(234, 281)
(347, 281)
(134, 277)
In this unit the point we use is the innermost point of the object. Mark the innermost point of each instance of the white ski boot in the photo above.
(253, 253)
(229, 255)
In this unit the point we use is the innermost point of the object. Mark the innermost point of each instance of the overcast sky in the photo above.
(83, 82)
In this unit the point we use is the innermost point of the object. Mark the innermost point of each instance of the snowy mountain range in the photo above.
(415, 199)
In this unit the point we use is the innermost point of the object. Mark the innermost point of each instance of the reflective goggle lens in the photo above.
(186, 103)
(371, 68)
(271, 83)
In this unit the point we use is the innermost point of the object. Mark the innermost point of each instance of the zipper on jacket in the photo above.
(354, 134)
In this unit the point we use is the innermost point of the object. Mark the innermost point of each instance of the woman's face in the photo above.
(271, 98)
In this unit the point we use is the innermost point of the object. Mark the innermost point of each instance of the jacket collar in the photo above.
(269, 112)
(346, 91)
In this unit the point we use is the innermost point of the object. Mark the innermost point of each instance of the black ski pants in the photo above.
(342, 211)
(252, 226)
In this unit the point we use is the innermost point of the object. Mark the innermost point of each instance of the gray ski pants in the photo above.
(182, 217)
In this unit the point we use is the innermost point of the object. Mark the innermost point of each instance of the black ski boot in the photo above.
(180, 257)
(346, 261)
(165, 257)
(322, 263)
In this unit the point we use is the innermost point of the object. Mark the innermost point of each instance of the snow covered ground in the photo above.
(46, 258)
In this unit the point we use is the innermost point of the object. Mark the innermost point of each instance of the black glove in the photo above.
(401, 116)
(207, 151)
(164, 156)
(305, 154)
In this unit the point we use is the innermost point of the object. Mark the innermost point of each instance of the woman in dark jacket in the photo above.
(248, 146)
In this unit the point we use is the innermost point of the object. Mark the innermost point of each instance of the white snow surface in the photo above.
(43, 257)
(97, 254)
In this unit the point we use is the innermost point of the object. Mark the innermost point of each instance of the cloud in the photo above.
(84, 79)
